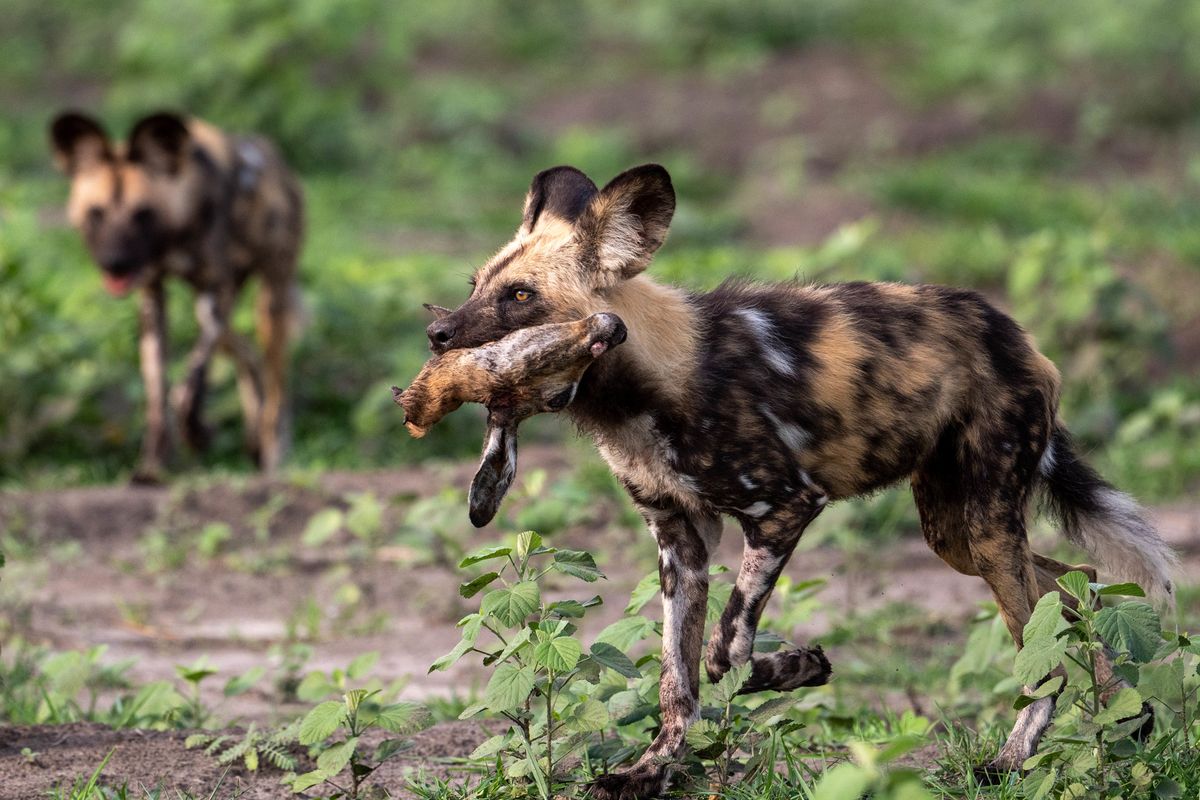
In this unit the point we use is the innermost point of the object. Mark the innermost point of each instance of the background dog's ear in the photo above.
(562, 192)
(77, 141)
(159, 142)
(628, 221)
(495, 473)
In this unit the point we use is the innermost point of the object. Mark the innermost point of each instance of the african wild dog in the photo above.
(183, 198)
(529, 371)
(765, 402)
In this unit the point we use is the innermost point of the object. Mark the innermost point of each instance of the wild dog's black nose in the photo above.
(119, 265)
(611, 328)
(440, 332)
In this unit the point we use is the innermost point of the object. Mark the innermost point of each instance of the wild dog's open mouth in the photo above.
(117, 285)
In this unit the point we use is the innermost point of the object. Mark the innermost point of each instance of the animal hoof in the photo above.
(789, 669)
(636, 784)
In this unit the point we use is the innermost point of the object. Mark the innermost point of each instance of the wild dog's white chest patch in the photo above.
(639, 454)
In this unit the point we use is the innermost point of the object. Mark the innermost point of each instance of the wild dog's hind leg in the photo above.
(249, 386)
(770, 541)
(152, 346)
(273, 313)
(685, 542)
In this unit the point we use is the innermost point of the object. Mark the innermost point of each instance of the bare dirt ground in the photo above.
(84, 581)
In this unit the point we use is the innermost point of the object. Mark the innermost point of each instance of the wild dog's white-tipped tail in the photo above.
(1107, 523)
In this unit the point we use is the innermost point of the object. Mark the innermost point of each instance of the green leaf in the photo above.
(335, 759)
(607, 655)
(646, 590)
(495, 551)
(241, 683)
(322, 721)
(558, 653)
(391, 747)
(453, 656)
(404, 718)
(1164, 683)
(842, 782)
(365, 517)
(513, 604)
(1125, 703)
(363, 664)
(472, 587)
(308, 780)
(1131, 627)
(1075, 583)
(731, 683)
(490, 747)
(1124, 589)
(703, 734)
(527, 542)
(515, 643)
(626, 632)
(508, 688)
(472, 710)
(1043, 650)
(321, 527)
(578, 563)
(588, 716)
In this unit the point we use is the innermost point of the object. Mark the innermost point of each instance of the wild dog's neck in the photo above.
(654, 368)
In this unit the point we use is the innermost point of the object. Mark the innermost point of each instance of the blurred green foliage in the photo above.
(416, 127)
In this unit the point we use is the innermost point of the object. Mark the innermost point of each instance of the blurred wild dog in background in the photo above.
(765, 402)
(183, 198)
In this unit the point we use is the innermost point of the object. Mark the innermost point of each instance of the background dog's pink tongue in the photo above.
(117, 285)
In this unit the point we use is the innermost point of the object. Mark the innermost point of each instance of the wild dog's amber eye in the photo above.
(522, 295)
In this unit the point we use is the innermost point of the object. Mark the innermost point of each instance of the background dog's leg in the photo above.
(769, 544)
(152, 346)
(684, 544)
(211, 316)
(273, 308)
(249, 386)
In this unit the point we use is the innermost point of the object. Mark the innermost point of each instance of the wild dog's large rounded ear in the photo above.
(627, 222)
(561, 192)
(159, 142)
(77, 141)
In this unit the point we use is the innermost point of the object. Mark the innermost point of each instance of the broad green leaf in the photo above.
(771, 708)
(515, 643)
(241, 683)
(578, 563)
(842, 782)
(321, 527)
(355, 697)
(1164, 683)
(473, 586)
(626, 632)
(363, 664)
(703, 734)
(405, 717)
(308, 780)
(335, 759)
(1131, 627)
(1043, 650)
(1075, 583)
(453, 656)
(1125, 703)
(646, 590)
(472, 710)
(315, 686)
(490, 747)
(391, 747)
(588, 716)
(567, 609)
(322, 721)
(471, 624)
(495, 551)
(527, 542)
(508, 688)
(558, 653)
(731, 683)
(607, 655)
(1124, 589)
(513, 604)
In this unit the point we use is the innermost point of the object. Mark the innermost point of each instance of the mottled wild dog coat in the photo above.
(765, 402)
(182, 198)
(530, 371)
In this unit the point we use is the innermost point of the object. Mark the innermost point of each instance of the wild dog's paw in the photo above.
(785, 670)
(635, 784)
(147, 474)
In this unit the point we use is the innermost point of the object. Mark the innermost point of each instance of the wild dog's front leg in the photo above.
(685, 543)
(770, 540)
(189, 396)
(152, 346)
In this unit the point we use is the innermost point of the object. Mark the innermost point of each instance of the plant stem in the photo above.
(550, 727)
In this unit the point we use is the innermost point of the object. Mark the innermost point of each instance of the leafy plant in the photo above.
(253, 747)
(354, 715)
